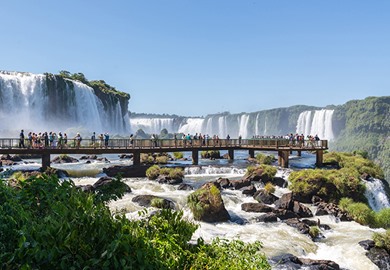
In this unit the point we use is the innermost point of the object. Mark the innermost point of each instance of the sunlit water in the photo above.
(340, 244)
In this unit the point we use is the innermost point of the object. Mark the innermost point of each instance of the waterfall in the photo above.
(243, 125)
(37, 102)
(222, 127)
(376, 194)
(192, 126)
(320, 123)
(257, 125)
(152, 125)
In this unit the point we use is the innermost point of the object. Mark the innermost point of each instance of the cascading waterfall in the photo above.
(243, 125)
(152, 125)
(376, 194)
(319, 123)
(37, 102)
(192, 126)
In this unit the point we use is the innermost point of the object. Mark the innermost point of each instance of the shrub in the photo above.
(176, 173)
(162, 160)
(382, 240)
(268, 171)
(383, 218)
(360, 212)
(264, 159)
(210, 154)
(178, 155)
(153, 172)
(269, 187)
(314, 231)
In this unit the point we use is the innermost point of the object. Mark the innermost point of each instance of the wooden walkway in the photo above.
(138, 146)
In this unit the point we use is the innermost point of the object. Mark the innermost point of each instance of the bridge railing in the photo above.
(11, 143)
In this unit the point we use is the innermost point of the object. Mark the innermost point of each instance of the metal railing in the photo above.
(12, 143)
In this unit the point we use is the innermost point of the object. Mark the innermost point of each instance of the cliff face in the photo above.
(365, 125)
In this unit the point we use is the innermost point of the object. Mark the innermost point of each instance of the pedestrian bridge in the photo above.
(137, 146)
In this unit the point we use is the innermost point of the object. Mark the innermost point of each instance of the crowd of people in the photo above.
(294, 139)
(54, 140)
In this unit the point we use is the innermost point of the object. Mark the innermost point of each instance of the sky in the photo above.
(200, 57)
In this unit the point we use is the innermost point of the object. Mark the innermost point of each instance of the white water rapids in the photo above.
(340, 244)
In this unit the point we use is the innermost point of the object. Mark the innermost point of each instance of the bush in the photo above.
(263, 159)
(213, 154)
(270, 188)
(176, 173)
(153, 172)
(314, 231)
(383, 218)
(360, 212)
(48, 224)
(162, 160)
(382, 240)
(178, 155)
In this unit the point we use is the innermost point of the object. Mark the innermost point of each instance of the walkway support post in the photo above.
(195, 157)
(231, 154)
(299, 153)
(251, 153)
(319, 158)
(136, 158)
(283, 158)
(45, 161)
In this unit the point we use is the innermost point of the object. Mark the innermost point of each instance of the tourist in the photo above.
(30, 140)
(101, 140)
(131, 139)
(106, 138)
(228, 139)
(21, 139)
(60, 140)
(239, 140)
(93, 139)
(65, 140)
(46, 139)
(78, 140)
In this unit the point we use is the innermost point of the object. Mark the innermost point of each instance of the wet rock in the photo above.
(285, 202)
(88, 157)
(209, 204)
(86, 188)
(296, 223)
(164, 179)
(223, 182)
(103, 159)
(8, 162)
(378, 256)
(249, 190)
(125, 156)
(302, 210)
(256, 207)
(185, 187)
(291, 262)
(58, 172)
(106, 180)
(263, 196)
(127, 171)
(310, 222)
(267, 218)
(315, 200)
(64, 159)
(238, 184)
(324, 208)
(284, 214)
(279, 181)
(367, 244)
(29, 156)
(155, 201)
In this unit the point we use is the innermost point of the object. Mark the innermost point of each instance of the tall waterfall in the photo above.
(36, 102)
(316, 122)
(243, 125)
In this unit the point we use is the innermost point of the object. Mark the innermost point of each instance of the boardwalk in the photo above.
(138, 146)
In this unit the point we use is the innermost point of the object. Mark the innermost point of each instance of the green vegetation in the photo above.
(330, 185)
(364, 125)
(200, 200)
(178, 155)
(155, 171)
(266, 172)
(264, 159)
(98, 84)
(382, 240)
(50, 224)
(154, 158)
(355, 161)
(269, 187)
(314, 231)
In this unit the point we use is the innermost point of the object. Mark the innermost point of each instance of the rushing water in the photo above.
(340, 244)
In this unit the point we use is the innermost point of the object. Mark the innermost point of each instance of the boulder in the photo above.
(296, 223)
(279, 181)
(126, 171)
(367, 244)
(155, 201)
(207, 205)
(263, 196)
(378, 256)
(105, 181)
(284, 214)
(125, 156)
(324, 208)
(185, 187)
(60, 173)
(238, 184)
(269, 217)
(302, 210)
(285, 202)
(164, 179)
(256, 207)
(223, 182)
(86, 188)
(291, 262)
(88, 157)
(249, 190)
(64, 159)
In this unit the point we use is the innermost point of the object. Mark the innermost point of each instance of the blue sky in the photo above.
(203, 56)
